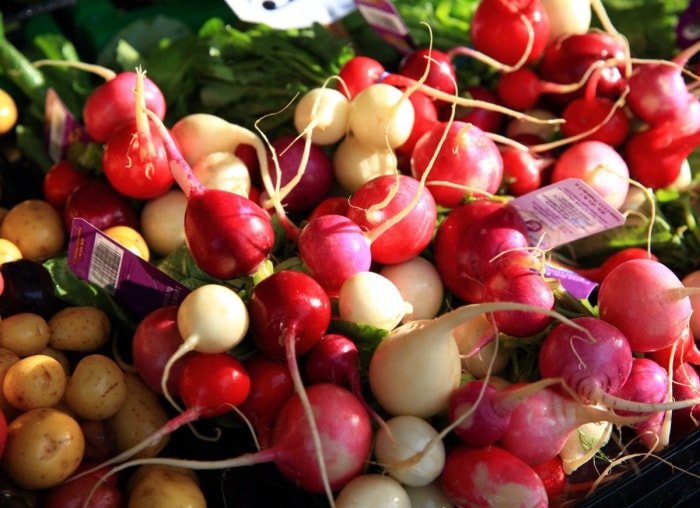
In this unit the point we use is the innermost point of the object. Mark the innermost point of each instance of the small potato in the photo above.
(9, 251)
(81, 328)
(97, 388)
(7, 359)
(130, 239)
(36, 228)
(44, 447)
(25, 333)
(162, 486)
(33, 382)
(138, 418)
(59, 355)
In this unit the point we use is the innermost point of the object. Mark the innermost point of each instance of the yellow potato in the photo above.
(7, 359)
(44, 447)
(141, 414)
(130, 239)
(97, 388)
(25, 333)
(34, 382)
(162, 486)
(9, 251)
(80, 328)
(36, 228)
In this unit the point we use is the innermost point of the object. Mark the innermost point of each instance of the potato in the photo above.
(44, 447)
(9, 251)
(163, 222)
(79, 328)
(163, 486)
(97, 388)
(34, 382)
(36, 228)
(25, 333)
(138, 418)
(130, 239)
(7, 358)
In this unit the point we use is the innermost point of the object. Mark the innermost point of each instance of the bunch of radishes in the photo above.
(393, 206)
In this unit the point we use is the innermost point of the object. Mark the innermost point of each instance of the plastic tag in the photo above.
(60, 127)
(565, 211)
(386, 20)
(134, 283)
(577, 285)
(287, 14)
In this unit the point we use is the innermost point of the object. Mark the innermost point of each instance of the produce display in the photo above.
(433, 253)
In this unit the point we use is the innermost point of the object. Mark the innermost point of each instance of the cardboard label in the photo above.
(134, 283)
(565, 211)
(60, 127)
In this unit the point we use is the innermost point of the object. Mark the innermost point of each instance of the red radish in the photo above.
(599, 165)
(648, 382)
(522, 88)
(686, 386)
(647, 302)
(336, 359)
(358, 73)
(369, 208)
(426, 115)
(523, 171)
(598, 273)
(684, 350)
(228, 235)
(467, 162)
(515, 283)
(112, 104)
(485, 119)
(568, 58)
(60, 181)
(333, 247)
(155, 339)
(305, 173)
(134, 159)
(446, 246)
(553, 476)
(434, 64)
(344, 435)
(271, 386)
(525, 21)
(332, 205)
(99, 204)
(210, 385)
(609, 122)
(540, 426)
(657, 91)
(491, 476)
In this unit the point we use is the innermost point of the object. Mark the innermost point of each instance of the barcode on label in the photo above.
(382, 19)
(105, 264)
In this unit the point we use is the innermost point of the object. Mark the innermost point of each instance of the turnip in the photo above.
(228, 235)
(647, 302)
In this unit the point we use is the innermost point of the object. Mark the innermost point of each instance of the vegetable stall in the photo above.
(349, 260)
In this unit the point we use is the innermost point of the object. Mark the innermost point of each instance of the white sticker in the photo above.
(565, 211)
(288, 14)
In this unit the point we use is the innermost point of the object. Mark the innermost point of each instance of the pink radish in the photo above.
(491, 476)
(647, 302)
(686, 386)
(227, 234)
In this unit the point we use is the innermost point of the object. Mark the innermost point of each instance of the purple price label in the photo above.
(577, 285)
(688, 27)
(134, 283)
(386, 20)
(61, 129)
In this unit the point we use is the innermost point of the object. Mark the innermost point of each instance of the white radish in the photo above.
(408, 450)
(375, 490)
(420, 284)
(322, 115)
(583, 444)
(355, 164)
(371, 299)
(692, 280)
(381, 116)
(477, 344)
(225, 171)
(567, 16)
(163, 222)
(428, 496)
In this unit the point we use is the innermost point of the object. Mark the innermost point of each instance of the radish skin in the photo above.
(376, 490)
